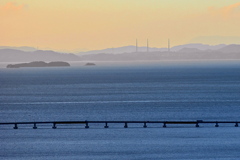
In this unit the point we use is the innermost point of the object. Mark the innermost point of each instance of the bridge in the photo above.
(125, 123)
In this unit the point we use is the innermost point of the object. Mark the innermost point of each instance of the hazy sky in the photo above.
(97, 24)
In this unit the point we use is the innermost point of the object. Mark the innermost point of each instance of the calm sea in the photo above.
(201, 91)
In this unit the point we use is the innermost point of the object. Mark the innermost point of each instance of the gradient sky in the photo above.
(70, 25)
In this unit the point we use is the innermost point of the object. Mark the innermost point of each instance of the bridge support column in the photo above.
(164, 125)
(126, 125)
(145, 125)
(87, 126)
(54, 126)
(34, 126)
(236, 125)
(197, 125)
(216, 125)
(106, 125)
(15, 126)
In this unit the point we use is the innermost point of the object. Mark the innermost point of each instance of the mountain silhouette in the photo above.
(128, 53)
(130, 49)
(233, 48)
(23, 48)
(12, 55)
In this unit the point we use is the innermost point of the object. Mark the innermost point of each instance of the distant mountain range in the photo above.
(13, 55)
(23, 48)
(202, 47)
(130, 49)
(127, 53)
(183, 52)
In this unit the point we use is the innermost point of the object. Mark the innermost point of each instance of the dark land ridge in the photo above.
(39, 64)
(128, 53)
(90, 64)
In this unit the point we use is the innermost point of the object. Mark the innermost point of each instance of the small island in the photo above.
(39, 64)
(90, 64)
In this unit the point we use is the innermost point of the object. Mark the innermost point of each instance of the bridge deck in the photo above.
(54, 123)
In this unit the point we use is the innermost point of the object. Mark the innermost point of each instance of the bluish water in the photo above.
(121, 93)
(154, 92)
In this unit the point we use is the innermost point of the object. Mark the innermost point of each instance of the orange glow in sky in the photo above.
(78, 25)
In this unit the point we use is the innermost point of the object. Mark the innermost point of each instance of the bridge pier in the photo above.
(126, 125)
(164, 125)
(54, 126)
(145, 125)
(15, 126)
(236, 125)
(87, 126)
(34, 126)
(197, 125)
(106, 125)
(216, 124)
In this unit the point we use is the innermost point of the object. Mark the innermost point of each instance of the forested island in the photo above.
(39, 64)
